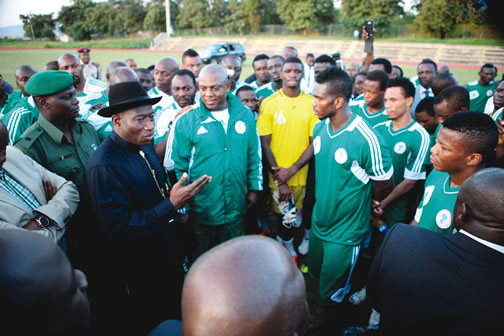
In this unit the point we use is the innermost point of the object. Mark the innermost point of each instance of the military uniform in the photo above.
(46, 144)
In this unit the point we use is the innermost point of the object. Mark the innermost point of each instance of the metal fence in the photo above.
(340, 30)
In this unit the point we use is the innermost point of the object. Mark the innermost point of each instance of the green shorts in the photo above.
(208, 236)
(329, 263)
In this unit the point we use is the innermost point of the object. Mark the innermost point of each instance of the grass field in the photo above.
(10, 59)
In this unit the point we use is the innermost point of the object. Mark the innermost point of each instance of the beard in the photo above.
(76, 80)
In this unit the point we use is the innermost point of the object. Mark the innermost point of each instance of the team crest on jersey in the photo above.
(400, 147)
(240, 127)
(444, 219)
(341, 156)
(490, 93)
(473, 95)
(316, 145)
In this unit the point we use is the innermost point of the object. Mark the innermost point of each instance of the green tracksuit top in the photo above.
(233, 160)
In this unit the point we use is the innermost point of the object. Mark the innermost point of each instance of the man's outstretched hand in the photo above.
(180, 194)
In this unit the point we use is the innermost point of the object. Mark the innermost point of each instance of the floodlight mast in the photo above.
(169, 29)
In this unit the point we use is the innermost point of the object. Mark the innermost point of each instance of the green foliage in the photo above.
(155, 19)
(306, 15)
(128, 17)
(84, 18)
(38, 26)
(439, 17)
(245, 16)
(73, 19)
(436, 17)
(194, 14)
(90, 19)
(355, 12)
(98, 21)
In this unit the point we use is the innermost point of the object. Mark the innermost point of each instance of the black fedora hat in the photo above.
(126, 95)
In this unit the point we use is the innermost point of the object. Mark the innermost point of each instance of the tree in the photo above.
(355, 12)
(98, 20)
(305, 15)
(128, 17)
(245, 16)
(439, 17)
(38, 25)
(194, 14)
(155, 19)
(73, 19)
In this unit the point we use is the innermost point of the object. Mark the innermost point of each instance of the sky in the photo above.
(11, 9)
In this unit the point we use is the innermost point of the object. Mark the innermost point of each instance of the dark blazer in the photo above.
(426, 283)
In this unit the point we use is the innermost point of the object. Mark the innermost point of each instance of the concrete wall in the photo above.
(400, 53)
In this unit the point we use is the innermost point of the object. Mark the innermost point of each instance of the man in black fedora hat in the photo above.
(137, 217)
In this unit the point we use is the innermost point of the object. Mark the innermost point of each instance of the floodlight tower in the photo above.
(169, 29)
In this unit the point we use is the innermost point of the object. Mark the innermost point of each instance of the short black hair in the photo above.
(310, 55)
(407, 86)
(338, 82)
(151, 67)
(379, 76)
(488, 65)
(426, 105)
(457, 96)
(479, 132)
(185, 72)
(400, 70)
(52, 65)
(280, 57)
(358, 74)
(259, 58)
(385, 62)
(293, 60)
(244, 88)
(142, 70)
(325, 59)
(189, 53)
(441, 82)
(428, 61)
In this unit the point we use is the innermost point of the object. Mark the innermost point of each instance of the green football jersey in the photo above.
(479, 94)
(22, 115)
(408, 148)
(265, 91)
(102, 125)
(357, 99)
(435, 211)
(12, 100)
(359, 107)
(346, 162)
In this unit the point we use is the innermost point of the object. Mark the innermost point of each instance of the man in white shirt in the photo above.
(426, 70)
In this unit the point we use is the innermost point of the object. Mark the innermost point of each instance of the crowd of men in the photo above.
(146, 179)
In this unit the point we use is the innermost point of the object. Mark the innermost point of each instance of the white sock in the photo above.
(288, 244)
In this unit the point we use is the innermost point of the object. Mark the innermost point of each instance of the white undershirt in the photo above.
(222, 117)
(493, 246)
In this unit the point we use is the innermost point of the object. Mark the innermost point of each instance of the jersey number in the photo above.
(279, 118)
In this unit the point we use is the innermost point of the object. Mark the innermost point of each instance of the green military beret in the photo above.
(48, 82)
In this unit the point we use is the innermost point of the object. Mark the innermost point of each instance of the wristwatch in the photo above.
(43, 221)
